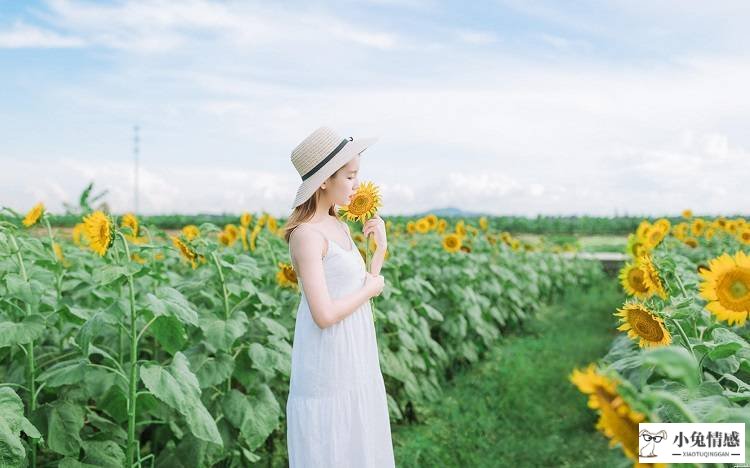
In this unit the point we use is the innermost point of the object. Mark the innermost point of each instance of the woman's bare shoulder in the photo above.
(306, 239)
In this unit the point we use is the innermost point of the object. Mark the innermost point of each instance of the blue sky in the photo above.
(507, 107)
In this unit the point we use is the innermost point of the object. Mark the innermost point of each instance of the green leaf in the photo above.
(18, 288)
(170, 333)
(724, 350)
(14, 333)
(12, 422)
(674, 362)
(65, 423)
(256, 416)
(432, 312)
(221, 334)
(64, 373)
(71, 463)
(169, 301)
(12, 452)
(275, 328)
(212, 370)
(94, 327)
(103, 453)
(266, 299)
(178, 387)
(109, 274)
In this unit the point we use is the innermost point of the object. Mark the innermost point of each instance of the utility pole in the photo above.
(135, 157)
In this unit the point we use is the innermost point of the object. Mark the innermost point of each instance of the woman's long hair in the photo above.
(303, 213)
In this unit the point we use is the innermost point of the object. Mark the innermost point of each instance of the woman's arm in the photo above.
(307, 248)
(376, 227)
(377, 260)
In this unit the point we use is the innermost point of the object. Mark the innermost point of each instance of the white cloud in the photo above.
(22, 35)
(476, 37)
(163, 26)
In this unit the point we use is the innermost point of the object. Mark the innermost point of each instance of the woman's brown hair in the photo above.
(304, 213)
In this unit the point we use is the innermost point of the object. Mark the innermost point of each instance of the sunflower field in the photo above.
(127, 345)
(684, 354)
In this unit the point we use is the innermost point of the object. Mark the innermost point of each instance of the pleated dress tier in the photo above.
(337, 411)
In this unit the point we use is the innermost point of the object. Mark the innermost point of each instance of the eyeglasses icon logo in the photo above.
(650, 439)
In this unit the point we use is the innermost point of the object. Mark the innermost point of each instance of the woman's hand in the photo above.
(374, 284)
(375, 225)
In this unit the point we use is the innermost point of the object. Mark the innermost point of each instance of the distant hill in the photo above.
(451, 211)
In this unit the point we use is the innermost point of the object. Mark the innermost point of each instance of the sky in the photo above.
(504, 107)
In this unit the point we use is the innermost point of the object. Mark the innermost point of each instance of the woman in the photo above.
(337, 412)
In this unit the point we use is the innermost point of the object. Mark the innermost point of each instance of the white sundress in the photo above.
(337, 411)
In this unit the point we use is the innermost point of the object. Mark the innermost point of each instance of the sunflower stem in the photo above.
(133, 379)
(687, 345)
(29, 353)
(226, 302)
(51, 238)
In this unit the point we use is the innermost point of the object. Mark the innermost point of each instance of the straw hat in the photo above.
(321, 154)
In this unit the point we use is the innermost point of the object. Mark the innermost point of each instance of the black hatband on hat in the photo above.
(327, 158)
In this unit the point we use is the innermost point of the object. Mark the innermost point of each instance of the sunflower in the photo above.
(680, 231)
(442, 226)
(726, 286)
(254, 236)
(691, 242)
(100, 231)
(245, 219)
(643, 227)
(631, 279)
(744, 236)
(34, 215)
(225, 238)
(651, 276)
(78, 231)
(483, 223)
(271, 224)
(663, 224)
(433, 220)
(687, 214)
(286, 277)
(709, 233)
(452, 243)
(57, 248)
(422, 226)
(137, 258)
(411, 228)
(243, 237)
(461, 228)
(58, 251)
(617, 420)
(643, 325)
(654, 236)
(185, 250)
(129, 220)
(232, 232)
(515, 244)
(364, 203)
(190, 232)
(698, 226)
(465, 248)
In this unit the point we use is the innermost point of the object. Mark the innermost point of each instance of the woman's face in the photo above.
(344, 182)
